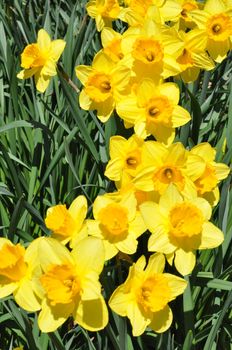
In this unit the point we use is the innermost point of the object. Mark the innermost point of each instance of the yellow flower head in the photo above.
(117, 223)
(145, 295)
(71, 286)
(39, 60)
(68, 224)
(19, 273)
(207, 183)
(215, 21)
(103, 11)
(104, 83)
(166, 165)
(152, 55)
(154, 110)
(179, 227)
(125, 158)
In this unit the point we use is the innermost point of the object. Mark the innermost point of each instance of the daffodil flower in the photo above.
(179, 227)
(39, 60)
(145, 295)
(117, 223)
(70, 281)
(67, 225)
(20, 273)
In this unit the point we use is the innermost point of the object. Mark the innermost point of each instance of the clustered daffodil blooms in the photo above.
(39, 60)
(163, 189)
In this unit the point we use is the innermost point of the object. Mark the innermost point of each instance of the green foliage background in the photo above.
(51, 151)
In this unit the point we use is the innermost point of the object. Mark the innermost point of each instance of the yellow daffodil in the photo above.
(160, 11)
(145, 295)
(111, 42)
(19, 274)
(104, 83)
(152, 55)
(187, 6)
(39, 60)
(71, 284)
(67, 225)
(103, 11)
(117, 223)
(207, 182)
(193, 57)
(125, 157)
(154, 110)
(164, 165)
(179, 227)
(215, 21)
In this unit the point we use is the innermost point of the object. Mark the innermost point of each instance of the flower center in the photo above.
(154, 294)
(148, 51)
(219, 27)
(114, 50)
(133, 159)
(186, 220)
(159, 111)
(59, 221)
(98, 87)
(114, 221)
(185, 58)
(187, 7)
(33, 57)
(61, 284)
(168, 174)
(12, 264)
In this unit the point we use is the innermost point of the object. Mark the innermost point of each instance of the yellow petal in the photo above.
(211, 236)
(89, 255)
(138, 319)
(155, 264)
(128, 245)
(176, 284)
(43, 39)
(110, 250)
(52, 317)
(128, 110)
(83, 72)
(78, 209)
(26, 298)
(146, 90)
(41, 82)
(92, 314)
(27, 73)
(204, 207)
(163, 134)
(180, 116)
(214, 6)
(218, 49)
(52, 252)
(119, 300)
(57, 47)
(49, 69)
(170, 90)
(85, 101)
(184, 261)
(159, 242)
(161, 320)
(170, 198)
(221, 170)
(137, 226)
(7, 288)
(151, 215)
